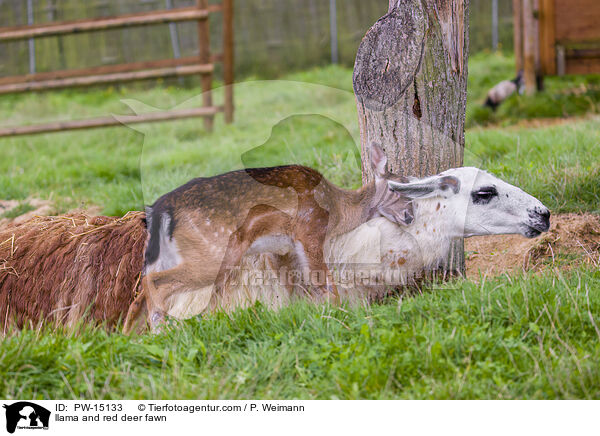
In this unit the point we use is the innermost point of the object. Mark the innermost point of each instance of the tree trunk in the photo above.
(410, 81)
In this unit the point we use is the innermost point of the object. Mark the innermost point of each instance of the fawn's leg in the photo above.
(311, 232)
(160, 286)
(262, 220)
(281, 266)
(137, 311)
(320, 278)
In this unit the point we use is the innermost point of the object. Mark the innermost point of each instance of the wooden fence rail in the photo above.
(106, 69)
(61, 126)
(43, 85)
(95, 24)
(203, 64)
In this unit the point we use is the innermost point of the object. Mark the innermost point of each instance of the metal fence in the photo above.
(490, 25)
(271, 36)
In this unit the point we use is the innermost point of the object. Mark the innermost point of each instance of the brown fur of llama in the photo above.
(70, 268)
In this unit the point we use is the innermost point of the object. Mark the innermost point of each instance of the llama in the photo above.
(291, 219)
(70, 268)
(483, 205)
(503, 90)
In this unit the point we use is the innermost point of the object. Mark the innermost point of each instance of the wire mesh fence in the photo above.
(271, 36)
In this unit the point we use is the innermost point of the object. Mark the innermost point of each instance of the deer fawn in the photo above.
(200, 231)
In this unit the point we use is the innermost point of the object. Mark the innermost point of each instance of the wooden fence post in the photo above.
(204, 55)
(518, 34)
(547, 43)
(529, 38)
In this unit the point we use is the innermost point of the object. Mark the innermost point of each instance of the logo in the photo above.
(26, 415)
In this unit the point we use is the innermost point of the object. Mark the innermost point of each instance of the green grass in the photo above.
(512, 337)
(565, 96)
(19, 210)
(556, 164)
(520, 337)
(122, 169)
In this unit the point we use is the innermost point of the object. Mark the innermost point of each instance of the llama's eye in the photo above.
(484, 195)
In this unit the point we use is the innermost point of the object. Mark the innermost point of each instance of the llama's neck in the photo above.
(423, 244)
(433, 229)
(435, 217)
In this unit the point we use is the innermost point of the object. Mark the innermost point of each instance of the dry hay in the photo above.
(68, 268)
(573, 240)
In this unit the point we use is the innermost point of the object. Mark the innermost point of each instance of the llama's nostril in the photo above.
(540, 219)
(545, 214)
(545, 218)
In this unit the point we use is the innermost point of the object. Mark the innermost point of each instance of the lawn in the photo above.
(566, 96)
(530, 336)
(511, 337)
(311, 120)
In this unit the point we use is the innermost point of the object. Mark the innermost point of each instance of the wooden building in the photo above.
(556, 37)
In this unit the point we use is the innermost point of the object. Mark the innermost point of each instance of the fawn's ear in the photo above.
(378, 160)
(436, 186)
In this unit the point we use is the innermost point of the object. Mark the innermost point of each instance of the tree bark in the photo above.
(410, 81)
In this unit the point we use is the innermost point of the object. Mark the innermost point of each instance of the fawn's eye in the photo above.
(484, 195)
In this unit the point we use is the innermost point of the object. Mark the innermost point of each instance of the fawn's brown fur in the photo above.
(209, 224)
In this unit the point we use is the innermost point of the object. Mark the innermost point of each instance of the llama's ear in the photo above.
(403, 216)
(437, 186)
(378, 160)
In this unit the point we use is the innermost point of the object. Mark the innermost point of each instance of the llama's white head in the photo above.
(467, 201)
